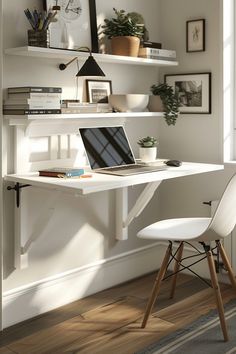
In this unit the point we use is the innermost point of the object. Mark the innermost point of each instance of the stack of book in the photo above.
(73, 107)
(62, 172)
(155, 53)
(33, 100)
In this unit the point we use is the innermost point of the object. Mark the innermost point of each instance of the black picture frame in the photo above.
(98, 90)
(193, 90)
(195, 35)
(93, 25)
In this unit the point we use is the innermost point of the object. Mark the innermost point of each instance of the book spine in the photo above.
(73, 110)
(32, 101)
(35, 89)
(33, 106)
(33, 95)
(159, 52)
(31, 111)
(156, 57)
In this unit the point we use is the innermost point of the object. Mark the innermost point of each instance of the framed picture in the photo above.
(75, 24)
(193, 91)
(98, 90)
(195, 36)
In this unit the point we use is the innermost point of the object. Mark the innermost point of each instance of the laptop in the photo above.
(108, 151)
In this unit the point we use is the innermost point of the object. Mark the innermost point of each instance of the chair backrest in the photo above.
(224, 219)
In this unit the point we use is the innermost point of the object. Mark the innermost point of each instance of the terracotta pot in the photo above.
(125, 45)
(155, 104)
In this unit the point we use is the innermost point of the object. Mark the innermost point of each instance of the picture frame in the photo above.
(75, 25)
(195, 36)
(98, 90)
(193, 90)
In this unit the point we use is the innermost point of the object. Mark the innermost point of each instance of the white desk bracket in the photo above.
(123, 217)
(21, 247)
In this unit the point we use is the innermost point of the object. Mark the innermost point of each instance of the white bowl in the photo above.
(129, 102)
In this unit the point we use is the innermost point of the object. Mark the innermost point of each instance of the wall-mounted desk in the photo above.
(102, 182)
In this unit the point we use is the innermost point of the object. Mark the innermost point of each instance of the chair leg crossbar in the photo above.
(208, 253)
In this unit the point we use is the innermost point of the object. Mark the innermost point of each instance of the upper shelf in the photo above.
(52, 53)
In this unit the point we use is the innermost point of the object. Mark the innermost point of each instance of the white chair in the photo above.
(203, 231)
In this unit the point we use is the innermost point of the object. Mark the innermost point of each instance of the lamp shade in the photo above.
(90, 68)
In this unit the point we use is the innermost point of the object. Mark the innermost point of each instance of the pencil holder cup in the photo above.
(38, 38)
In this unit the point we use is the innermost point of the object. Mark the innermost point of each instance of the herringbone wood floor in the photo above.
(109, 322)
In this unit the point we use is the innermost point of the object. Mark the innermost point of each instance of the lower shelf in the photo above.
(25, 119)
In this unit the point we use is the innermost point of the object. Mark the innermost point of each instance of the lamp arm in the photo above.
(64, 66)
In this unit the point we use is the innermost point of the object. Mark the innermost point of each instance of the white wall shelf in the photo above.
(26, 119)
(52, 53)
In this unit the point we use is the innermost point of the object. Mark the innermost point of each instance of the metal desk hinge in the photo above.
(17, 187)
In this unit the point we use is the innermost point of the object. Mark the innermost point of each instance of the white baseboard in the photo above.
(36, 298)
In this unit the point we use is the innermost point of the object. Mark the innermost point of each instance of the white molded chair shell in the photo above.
(198, 229)
(224, 218)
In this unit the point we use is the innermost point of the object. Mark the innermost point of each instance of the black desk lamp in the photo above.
(90, 67)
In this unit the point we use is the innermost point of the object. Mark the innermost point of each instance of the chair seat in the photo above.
(181, 229)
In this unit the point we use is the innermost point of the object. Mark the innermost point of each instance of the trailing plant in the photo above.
(170, 102)
(123, 25)
(147, 142)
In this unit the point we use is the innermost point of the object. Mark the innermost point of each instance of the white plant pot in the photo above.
(148, 154)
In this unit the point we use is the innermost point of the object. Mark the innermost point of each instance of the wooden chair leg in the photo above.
(176, 269)
(156, 286)
(227, 264)
(217, 293)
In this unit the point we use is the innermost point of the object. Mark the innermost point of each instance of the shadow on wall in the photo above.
(61, 226)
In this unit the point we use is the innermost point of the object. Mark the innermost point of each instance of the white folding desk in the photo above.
(102, 182)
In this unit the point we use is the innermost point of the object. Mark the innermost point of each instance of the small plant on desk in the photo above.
(148, 149)
(147, 142)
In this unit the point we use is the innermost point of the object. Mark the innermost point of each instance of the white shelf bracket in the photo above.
(123, 217)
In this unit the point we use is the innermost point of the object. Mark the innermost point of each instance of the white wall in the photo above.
(195, 137)
(79, 231)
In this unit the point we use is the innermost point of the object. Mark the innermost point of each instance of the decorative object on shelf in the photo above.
(129, 102)
(38, 36)
(124, 32)
(155, 104)
(75, 24)
(90, 67)
(147, 149)
(170, 102)
(195, 36)
(193, 91)
(151, 44)
(98, 91)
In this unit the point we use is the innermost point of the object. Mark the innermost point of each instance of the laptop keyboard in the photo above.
(125, 167)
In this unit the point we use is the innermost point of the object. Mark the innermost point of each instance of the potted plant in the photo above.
(164, 94)
(125, 33)
(147, 149)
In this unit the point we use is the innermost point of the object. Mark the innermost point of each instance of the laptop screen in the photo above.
(106, 147)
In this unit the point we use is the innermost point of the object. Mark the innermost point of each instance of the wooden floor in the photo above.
(109, 322)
